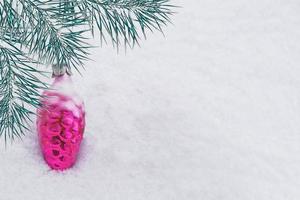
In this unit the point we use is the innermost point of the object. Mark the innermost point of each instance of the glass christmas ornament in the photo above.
(60, 121)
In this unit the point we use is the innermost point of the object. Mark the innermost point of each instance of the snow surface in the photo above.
(211, 111)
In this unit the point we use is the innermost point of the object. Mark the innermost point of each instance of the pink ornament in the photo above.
(60, 124)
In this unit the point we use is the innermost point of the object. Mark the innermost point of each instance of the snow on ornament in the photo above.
(60, 121)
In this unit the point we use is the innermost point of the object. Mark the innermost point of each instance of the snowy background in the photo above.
(211, 111)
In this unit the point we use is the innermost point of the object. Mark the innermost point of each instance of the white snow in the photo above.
(211, 111)
(64, 85)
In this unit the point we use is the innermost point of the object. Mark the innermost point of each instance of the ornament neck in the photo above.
(60, 70)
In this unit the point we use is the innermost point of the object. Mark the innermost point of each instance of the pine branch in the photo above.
(50, 39)
(122, 19)
(19, 90)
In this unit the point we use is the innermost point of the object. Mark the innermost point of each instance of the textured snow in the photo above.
(211, 111)
(64, 84)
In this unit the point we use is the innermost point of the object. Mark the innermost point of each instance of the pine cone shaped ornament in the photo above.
(60, 121)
